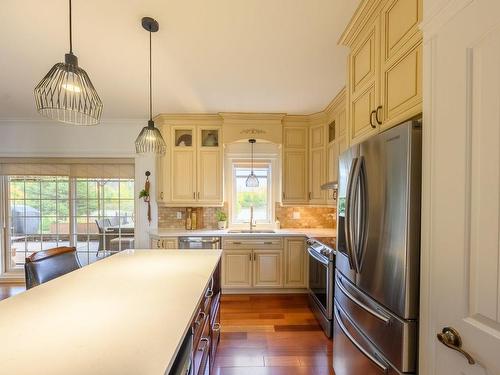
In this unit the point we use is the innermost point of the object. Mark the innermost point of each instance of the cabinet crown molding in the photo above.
(364, 11)
(188, 119)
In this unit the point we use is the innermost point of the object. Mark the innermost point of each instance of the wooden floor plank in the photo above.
(271, 335)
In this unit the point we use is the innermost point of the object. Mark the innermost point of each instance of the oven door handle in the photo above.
(338, 283)
(370, 356)
(316, 256)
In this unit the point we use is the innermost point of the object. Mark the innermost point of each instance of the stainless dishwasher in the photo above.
(199, 242)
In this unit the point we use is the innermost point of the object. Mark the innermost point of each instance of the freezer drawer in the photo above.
(353, 353)
(395, 338)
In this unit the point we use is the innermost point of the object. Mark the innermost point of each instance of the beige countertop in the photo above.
(126, 314)
(304, 232)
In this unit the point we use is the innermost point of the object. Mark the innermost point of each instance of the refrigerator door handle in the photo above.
(362, 219)
(354, 214)
(373, 357)
(348, 214)
(340, 285)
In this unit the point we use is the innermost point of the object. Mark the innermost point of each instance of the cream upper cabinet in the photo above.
(209, 170)
(384, 66)
(191, 171)
(317, 165)
(267, 269)
(295, 263)
(401, 61)
(294, 173)
(363, 88)
(237, 268)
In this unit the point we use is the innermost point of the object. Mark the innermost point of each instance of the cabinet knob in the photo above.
(161, 195)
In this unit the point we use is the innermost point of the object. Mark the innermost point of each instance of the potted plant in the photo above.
(221, 219)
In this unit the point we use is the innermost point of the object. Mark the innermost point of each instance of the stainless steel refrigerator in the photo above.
(378, 252)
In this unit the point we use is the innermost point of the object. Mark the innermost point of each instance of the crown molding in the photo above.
(364, 11)
(336, 101)
(188, 118)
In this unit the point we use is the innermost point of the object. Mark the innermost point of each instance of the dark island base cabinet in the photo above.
(206, 328)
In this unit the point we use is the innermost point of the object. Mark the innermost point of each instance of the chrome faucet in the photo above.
(252, 223)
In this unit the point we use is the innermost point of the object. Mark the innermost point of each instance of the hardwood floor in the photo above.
(271, 335)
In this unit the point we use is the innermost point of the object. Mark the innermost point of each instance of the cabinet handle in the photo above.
(236, 243)
(310, 195)
(283, 195)
(201, 316)
(376, 115)
(161, 195)
(198, 195)
(250, 256)
(268, 243)
(204, 340)
(371, 119)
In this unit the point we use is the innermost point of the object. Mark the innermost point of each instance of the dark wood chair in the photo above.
(46, 265)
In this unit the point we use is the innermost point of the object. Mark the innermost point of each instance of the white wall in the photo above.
(41, 138)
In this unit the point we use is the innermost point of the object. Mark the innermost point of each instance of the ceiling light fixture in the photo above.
(252, 180)
(150, 139)
(66, 93)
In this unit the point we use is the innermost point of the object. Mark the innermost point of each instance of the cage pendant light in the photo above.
(66, 93)
(252, 180)
(150, 139)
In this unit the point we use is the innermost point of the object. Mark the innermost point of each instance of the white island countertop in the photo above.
(285, 232)
(126, 314)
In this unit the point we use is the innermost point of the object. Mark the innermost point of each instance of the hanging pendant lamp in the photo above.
(252, 180)
(66, 93)
(150, 139)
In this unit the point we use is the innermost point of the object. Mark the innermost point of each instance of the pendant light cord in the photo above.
(70, 31)
(150, 80)
(252, 158)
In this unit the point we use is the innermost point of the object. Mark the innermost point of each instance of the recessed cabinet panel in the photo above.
(294, 177)
(295, 137)
(237, 269)
(317, 136)
(295, 263)
(184, 177)
(209, 176)
(317, 176)
(363, 62)
(402, 90)
(267, 268)
(400, 21)
(361, 109)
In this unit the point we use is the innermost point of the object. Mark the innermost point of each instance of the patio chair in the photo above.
(46, 265)
(105, 236)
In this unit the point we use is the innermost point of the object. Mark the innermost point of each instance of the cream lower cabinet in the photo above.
(237, 268)
(267, 268)
(164, 243)
(295, 263)
(271, 263)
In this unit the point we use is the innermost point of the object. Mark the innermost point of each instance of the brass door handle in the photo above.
(451, 338)
(371, 118)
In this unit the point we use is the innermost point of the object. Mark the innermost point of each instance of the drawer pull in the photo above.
(216, 327)
(268, 243)
(236, 243)
(201, 316)
(204, 340)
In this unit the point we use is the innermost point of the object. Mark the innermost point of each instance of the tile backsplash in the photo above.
(167, 217)
(304, 217)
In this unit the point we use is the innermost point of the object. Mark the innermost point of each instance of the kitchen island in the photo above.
(126, 314)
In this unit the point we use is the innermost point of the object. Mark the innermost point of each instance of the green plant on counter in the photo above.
(220, 215)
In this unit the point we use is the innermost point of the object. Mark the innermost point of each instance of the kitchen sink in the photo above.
(251, 231)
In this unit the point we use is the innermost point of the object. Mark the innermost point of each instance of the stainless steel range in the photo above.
(321, 279)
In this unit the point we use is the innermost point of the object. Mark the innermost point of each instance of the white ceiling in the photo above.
(209, 56)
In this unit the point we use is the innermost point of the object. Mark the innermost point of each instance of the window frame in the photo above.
(6, 272)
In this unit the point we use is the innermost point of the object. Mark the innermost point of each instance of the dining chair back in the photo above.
(46, 265)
